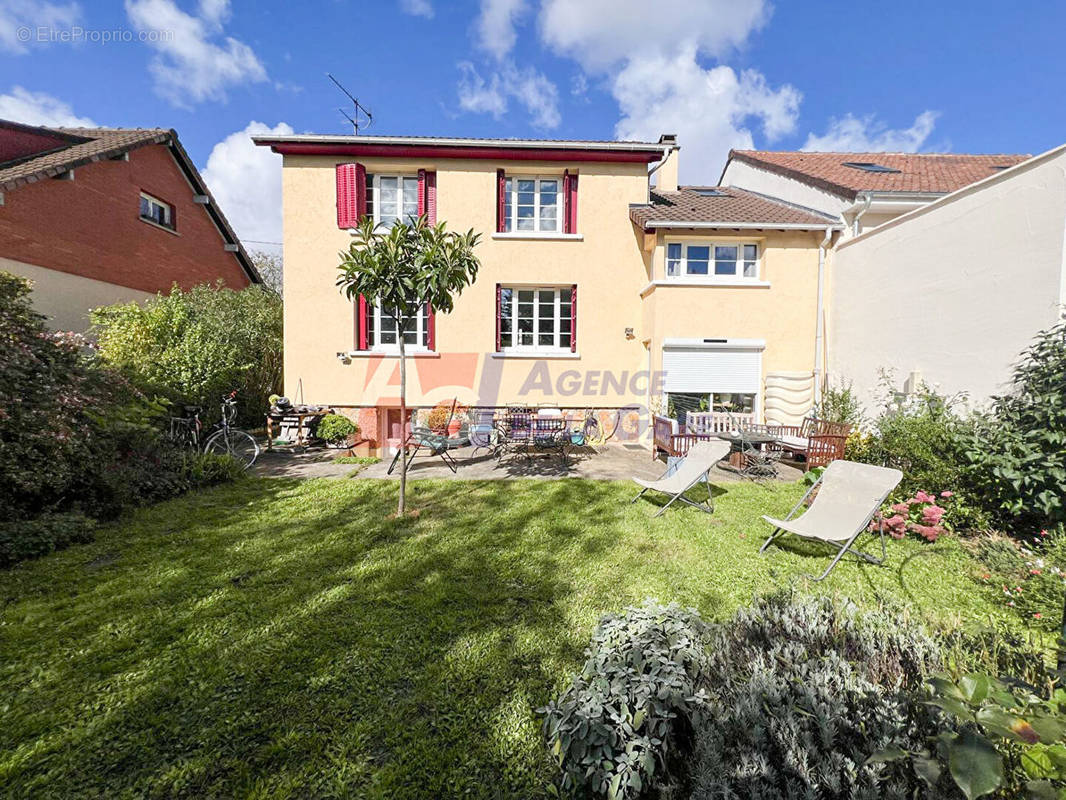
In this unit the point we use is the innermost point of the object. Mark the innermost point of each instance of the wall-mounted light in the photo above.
(630, 334)
(344, 358)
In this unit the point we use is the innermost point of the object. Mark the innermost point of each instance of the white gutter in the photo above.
(819, 324)
(862, 207)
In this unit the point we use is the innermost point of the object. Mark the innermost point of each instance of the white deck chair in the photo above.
(677, 480)
(849, 496)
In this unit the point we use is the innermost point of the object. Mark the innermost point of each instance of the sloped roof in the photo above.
(88, 145)
(933, 173)
(96, 144)
(725, 207)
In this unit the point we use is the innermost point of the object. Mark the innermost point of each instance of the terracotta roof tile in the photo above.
(727, 205)
(101, 143)
(937, 173)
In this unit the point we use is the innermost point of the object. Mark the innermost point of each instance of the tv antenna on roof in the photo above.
(357, 108)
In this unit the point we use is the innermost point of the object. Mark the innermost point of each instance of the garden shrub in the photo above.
(77, 440)
(923, 436)
(802, 692)
(196, 346)
(22, 538)
(335, 428)
(1028, 574)
(839, 403)
(623, 723)
(1016, 455)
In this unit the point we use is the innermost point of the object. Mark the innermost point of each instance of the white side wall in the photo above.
(745, 176)
(956, 289)
(65, 298)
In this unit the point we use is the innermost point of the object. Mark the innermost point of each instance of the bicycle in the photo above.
(595, 430)
(221, 438)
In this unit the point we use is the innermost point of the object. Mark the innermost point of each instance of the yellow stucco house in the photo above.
(597, 289)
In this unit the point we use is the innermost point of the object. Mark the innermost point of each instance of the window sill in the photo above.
(543, 354)
(563, 237)
(735, 283)
(157, 225)
(392, 354)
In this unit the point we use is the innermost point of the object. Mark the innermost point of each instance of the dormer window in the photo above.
(710, 261)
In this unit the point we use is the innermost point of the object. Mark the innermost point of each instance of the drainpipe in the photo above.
(819, 325)
(868, 199)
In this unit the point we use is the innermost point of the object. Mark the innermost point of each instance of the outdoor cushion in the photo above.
(793, 442)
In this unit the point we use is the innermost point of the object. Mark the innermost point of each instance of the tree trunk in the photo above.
(403, 418)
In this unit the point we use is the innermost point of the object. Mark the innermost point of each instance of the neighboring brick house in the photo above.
(102, 215)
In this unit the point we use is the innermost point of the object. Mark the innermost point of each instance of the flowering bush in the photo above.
(1028, 573)
(923, 515)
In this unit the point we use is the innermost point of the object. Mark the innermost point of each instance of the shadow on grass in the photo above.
(232, 643)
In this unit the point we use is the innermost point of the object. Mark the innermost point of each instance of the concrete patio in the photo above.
(612, 461)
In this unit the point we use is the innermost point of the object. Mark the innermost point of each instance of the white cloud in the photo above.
(867, 134)
(196, 62)
(496, 25)
(711, 110)
(246, 182)
(538, 95)
(599, 34)
(20, 19)
(38, 108)
(417, 8)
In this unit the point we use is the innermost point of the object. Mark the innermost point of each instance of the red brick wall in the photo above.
(91, 226)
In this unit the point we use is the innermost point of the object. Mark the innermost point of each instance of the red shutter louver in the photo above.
(431, 197)
(573, 318)
(421, 192)
(570, 194)
(499, 310)
(351, 194)
(501, 205)
(431, 328)
(566, 201)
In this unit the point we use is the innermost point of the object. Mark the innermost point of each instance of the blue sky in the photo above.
(959, 77)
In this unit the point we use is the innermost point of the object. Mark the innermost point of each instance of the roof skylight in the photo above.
(869, 166)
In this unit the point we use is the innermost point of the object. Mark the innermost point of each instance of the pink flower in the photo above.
(1037, 615)
(901, 508)
(895, 521)
(1043, 533)
(947, 494)
(1034, 572)
(931, 515)
(922, 497)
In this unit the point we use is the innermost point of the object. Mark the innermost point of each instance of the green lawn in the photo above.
(282, 639)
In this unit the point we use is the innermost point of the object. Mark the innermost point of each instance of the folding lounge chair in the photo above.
(849, 496)
(701, 458)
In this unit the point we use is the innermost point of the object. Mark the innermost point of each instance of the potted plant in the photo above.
(337, 431)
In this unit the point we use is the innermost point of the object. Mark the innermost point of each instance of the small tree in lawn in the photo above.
(402, 269)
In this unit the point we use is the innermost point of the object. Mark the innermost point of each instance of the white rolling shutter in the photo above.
(715, 366)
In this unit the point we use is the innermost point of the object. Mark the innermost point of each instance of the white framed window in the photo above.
(381, 330)
(536, 319)
(533, 204)
(710, 261)
(156, 211)
(391, 198)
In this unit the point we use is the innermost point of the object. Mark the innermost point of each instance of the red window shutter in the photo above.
(431, 197)
(573, 318)
(570, 225)
(361, 327)
(501, 189)
(421, 192)
(351, 194)
(499, 310)
(431, 328)
(566, 201)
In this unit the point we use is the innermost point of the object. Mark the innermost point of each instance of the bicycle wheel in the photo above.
(233, 442)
